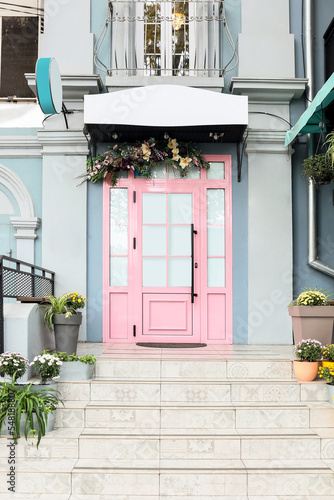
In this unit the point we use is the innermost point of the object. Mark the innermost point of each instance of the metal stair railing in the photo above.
(19, 279)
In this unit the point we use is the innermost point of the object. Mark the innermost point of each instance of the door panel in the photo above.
(167, 315)
(168, 257)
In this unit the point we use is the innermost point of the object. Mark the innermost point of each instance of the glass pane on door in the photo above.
(118, 237)
(166, 235)
(216, 237)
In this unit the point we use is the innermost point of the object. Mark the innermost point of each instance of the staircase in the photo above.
(224, 422)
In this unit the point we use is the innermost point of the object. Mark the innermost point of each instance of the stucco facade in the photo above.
(57, 223)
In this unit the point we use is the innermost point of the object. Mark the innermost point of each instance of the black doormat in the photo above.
(168, 345)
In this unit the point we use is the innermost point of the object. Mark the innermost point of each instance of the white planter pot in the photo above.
(75, 370)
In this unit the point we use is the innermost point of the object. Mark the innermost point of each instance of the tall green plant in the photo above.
(16, 401)
(66, 304)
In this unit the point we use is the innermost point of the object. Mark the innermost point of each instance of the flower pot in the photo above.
(39, 387)
(312, 322)
(328, 364)
(330, 389)
(48, 428)
(76, 370)
(305, 371)
(67, 332)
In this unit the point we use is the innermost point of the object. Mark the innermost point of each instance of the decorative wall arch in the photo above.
(27, 222)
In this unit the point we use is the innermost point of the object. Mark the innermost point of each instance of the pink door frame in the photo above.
(212, 313)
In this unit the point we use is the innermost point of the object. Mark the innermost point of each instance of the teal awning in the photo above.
(309, 122)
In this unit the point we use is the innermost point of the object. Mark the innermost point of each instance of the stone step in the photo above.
(199, 370)
(117, 391)
(194, 416)
(86, 480)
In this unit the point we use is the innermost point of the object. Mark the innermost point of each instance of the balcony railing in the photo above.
(21, 279)
(164, 38)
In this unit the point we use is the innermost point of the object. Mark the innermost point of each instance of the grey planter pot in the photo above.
(75, 370)
(49, 426)
(330, 389)
(67, 332)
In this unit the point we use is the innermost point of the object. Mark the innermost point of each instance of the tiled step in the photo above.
(223, 416)
(164, 392)
(185, 369)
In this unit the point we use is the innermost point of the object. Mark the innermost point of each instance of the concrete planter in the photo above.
(48, 428)
(330, 389)
(312, 322)
(75, 370)
(67, 332)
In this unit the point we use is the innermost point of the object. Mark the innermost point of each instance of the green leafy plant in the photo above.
(327, 374)
(47, 366)
(319, 168)
(328, 352)
(16, 401)
(312, 298)
(13, 364)
(66, 304)
(142, 157)
(88, 360)
(308, 350)
(330, 145)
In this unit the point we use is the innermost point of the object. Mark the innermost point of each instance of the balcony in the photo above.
(168, 41)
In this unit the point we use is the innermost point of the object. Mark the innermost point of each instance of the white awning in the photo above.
(165, 106)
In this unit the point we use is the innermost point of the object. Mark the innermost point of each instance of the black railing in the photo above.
(21, 279)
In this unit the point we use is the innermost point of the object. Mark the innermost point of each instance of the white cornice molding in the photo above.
(266, 141)
(15, 145)
(278, 90)
(74, 86)
(25, 227)
(122, 82)
(63, 142)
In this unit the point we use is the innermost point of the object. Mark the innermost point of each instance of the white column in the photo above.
(64, 240)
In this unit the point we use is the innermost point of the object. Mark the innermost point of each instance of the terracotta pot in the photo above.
(305, 371)
(312, 322)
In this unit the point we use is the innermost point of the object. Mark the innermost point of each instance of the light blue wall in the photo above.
(240, 241)
(30, 172)
(304, 275)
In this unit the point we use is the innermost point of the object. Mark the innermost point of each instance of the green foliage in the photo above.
(142, 157)
(319, 168)
(312, 298)
(328, 352)
(88, 360)
(66, 304)
(18, 400)
(330, 145)
(327, 374)
(308, 350)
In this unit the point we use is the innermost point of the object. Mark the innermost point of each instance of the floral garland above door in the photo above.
(142, 157)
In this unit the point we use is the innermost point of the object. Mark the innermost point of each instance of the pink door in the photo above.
(167, 257)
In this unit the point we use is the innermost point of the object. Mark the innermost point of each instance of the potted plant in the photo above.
(23, 410)
(308, 352)
(328, 374)
(319, 168)
(328, 356)
(76, 367)
(61, 316)
(47, 367)
(312, 316)
(330, 145)
(13, 364)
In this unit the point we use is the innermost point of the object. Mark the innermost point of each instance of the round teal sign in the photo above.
(49, 87)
